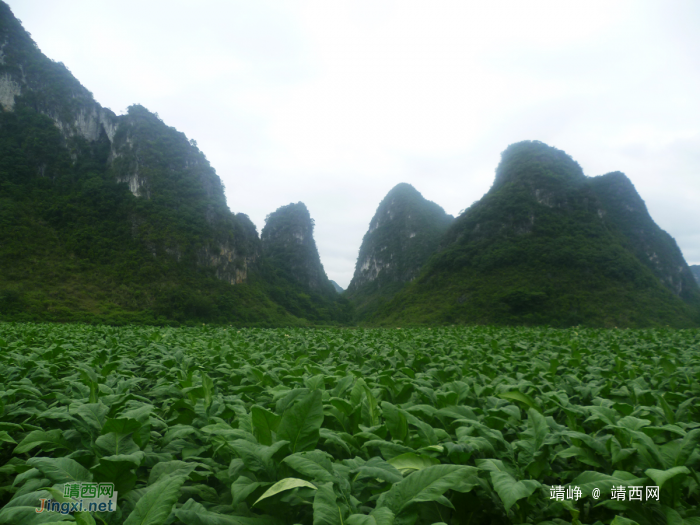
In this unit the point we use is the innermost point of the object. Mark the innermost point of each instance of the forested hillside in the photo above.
(548, 245)
(403, 234)
(116, 219)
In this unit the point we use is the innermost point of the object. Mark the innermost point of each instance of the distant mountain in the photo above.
(624, 211)
(295, 274)
(112, 218)
(548, 245)
(695, 269)
(337, 287)
(404, 232)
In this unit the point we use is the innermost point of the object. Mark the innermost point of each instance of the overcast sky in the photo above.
(334, 103)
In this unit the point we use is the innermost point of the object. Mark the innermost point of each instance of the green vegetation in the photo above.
(122, 220)
(695, 269)
(407, 427)
(293, 271)
(626, 213)
(403, 234)
(548, 246)
(77, 245)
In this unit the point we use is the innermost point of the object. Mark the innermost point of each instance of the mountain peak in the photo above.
(402, 235)
(535, 162)
(288, 241)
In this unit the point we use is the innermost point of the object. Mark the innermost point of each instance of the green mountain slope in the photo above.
(403, 234)
(112, 218)
(293, 267)
(547, 245)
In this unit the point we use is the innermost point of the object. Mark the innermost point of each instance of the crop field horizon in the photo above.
(363, 426)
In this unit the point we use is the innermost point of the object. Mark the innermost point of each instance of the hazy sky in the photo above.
(334, 103)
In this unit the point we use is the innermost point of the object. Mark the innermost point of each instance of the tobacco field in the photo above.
(455, 425)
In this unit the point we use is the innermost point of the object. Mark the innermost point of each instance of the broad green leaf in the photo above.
(6, 438)
(93, 414)
(668, 413)
(40, 437)
(387, 448)
(589, 480)
(84, 518)
(522, 397)
(154, 507)
(308, 467)
(342, 405)
(360, 519)
(208, 387)
(114, 444)
(29, 516)
(633, 423)
(428, 484)
(662, 476)
(242, 488)
(538, 426)
(379, 469)
(122, 425)
(510, 490)
(326, 510)
(258, 458)
(264, 423)
(372, 409)
(301, 422)
(60, 470)
(282, 485)
(411, 461)
(170, 469)
(689, 443)
(119, 470)
(383, 516)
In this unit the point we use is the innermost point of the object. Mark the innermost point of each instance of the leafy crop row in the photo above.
(351, 427)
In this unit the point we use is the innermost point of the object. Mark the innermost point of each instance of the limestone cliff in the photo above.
(186, 217)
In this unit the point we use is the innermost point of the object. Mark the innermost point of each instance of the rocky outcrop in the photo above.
(9, 89)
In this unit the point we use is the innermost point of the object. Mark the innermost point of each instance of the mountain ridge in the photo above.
(541, 247)
(120, 218)
(113, 218)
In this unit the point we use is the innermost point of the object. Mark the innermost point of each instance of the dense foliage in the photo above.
(76, 245)
(546, 245)
(452, 425)
(626, 213)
